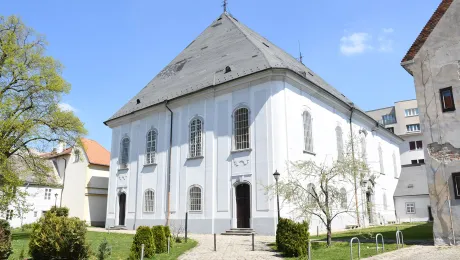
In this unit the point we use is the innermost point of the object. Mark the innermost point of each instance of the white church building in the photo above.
(207, 133)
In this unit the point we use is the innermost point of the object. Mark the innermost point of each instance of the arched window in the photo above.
(151, 146)
(311, 191)
(385, 205)
(307, 132)
(382, 169)
(339, 137)
(395, 165)
(343, 198)
(124, 152)
(77, 155)
(196, 137)
(241, 128)
(195, 199)
(363, 148)
(149, 201)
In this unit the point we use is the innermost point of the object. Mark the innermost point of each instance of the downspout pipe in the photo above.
(169, 163)
(352, 109)
(63, 181)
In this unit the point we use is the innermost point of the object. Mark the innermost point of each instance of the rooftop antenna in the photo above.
(225, 6)
(300, 54)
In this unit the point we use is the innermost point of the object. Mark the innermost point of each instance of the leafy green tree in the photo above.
(31, 120)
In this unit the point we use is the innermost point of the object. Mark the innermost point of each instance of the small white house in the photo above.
(205, 136)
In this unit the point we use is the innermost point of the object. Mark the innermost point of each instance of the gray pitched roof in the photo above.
(226, 42)
(412, 181)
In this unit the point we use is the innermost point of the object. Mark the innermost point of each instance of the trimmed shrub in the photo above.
(168, 234)
(104, 250)
(5, 239)
(292, 237)
(60, 211)
(161, 244)
(56, 237)
(143, 236)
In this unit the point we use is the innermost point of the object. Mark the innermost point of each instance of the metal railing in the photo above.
(351, 248)
(399, 239)
(377, 243)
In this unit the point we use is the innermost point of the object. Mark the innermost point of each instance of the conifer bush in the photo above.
(161, 244)
(57, 237)
(143, 236)
(5, 239)
(292, 238)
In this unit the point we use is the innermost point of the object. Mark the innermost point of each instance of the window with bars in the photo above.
(151, 146)
(447, 99)
(77, 155)
(196, 137)
(343, 198)
(307, 132)
(47, 194)
(149, 201)
(382, 169)
(339, 137)
(395, 166)
(124, 153)
(195, 199)
(241, 128)
(9, 214)
(410, 207)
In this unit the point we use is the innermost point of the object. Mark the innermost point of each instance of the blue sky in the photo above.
(112, 49)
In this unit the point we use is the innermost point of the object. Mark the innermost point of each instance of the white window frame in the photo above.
(47, 194)
(76, 156)
(122, 163)
(411, 112)
(193, 206)
(149, 201)
(196, 143)
(385, 201)
(339, 139)
(413, 128)
(236, 137)
(395, 165)
(409, 206)
(151, 142)
(307, 131)
(363, 148)
(343, 198)
(382, 167)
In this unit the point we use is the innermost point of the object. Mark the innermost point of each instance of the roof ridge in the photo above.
(230, 17)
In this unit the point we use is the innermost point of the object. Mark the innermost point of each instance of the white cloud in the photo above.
(67, 107)
(388, 30)
(355, 43)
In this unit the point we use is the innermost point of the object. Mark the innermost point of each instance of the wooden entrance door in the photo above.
(243, 206)
(122, 209)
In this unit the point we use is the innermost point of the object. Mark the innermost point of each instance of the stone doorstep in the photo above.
(239, 232)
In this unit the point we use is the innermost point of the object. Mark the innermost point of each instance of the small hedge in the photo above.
(60, 211)
(143, 236)
(292, 238)
(55, 237)
(5, 239)
(161, 244)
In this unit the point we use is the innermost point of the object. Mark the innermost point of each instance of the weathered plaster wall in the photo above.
(436, 66)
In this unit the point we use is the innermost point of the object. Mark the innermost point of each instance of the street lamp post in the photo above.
(277, 176)
(55, 200)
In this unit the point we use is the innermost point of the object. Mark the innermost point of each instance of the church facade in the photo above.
(205, 136)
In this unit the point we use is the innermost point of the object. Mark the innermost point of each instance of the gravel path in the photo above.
(421, 253)
(231, 247)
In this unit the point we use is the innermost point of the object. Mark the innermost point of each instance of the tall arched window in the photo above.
(149, 201)
(151, 146)
(311, 191)
(196, 137)
(241, 128)
(339, 137)
(363, 148)
(124, 152)
(343, 198)
(307, 132)
(382, 169)
(395, 165)
(385, 205)
(195, 198)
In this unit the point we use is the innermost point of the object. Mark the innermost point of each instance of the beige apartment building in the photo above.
(411, 196)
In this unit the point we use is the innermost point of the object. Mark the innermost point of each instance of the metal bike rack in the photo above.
(309, 249)
(399, 239)
(377, 243)
(351, 248)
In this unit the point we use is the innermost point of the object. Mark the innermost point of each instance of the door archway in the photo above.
(243, 205)
(121, 208)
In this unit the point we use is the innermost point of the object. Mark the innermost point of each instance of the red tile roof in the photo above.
(95, 152)
(54, 154)
(429, 27)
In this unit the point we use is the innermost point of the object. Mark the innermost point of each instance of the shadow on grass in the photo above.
(21, 235)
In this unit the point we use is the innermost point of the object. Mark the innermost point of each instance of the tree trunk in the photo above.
(329, 234)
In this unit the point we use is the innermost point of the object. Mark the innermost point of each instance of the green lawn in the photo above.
(340, 248)
(411, 231)
(121, 244)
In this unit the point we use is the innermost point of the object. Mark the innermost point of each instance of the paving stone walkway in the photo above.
(231, 247)
(421, 253)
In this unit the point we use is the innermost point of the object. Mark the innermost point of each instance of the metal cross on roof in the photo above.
(225, 6)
